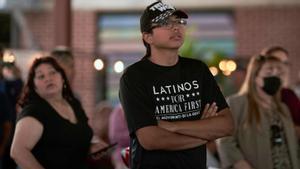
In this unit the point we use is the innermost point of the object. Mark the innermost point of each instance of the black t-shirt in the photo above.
(149, 92)
(13, 88)
(63, 145)
(5, 112)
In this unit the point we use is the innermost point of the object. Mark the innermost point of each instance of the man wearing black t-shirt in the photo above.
(173, 105)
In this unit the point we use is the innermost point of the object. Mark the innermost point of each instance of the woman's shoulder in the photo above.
(238, 104)
(31, 108)
(237, 99)
(35, 110)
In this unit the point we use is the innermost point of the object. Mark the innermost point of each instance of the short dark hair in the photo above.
(62, 53)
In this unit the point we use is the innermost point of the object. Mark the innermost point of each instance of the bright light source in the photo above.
(9, 57)
(227, 73)
(214, 71)
(222, 65)
(230, 65)
(119, 67)
(98, 64)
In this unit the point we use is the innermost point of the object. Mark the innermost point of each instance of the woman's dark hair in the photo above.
(29, 94)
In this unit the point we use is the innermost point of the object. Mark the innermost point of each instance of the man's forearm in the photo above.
(209, 128)
(156, 138)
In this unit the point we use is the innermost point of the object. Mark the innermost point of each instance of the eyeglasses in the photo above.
(169, 24)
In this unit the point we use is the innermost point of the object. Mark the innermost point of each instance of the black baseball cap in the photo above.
(156, 13)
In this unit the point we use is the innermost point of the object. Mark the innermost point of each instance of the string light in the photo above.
(222, 65)
(231, 65)
(227, 67)
(98, 64)
(9, 57)
(214, 71)
(118, 66)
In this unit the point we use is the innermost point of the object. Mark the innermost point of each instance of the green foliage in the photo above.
(210, 56)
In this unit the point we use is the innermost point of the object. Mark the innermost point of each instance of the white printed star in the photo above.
(162, 98)
(168, 98)
(157, 99)
(193, 94)
(187, 95)
(198, 93)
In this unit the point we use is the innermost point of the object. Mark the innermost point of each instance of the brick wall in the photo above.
(83, 44)
(41, 26)
(259, 27)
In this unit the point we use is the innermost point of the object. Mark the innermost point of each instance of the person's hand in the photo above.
(96, 146)
(242, 164)
(210, 110)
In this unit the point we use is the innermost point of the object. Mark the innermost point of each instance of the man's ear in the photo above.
(147, 37)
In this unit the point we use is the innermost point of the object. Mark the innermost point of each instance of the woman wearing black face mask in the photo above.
(288, 96)
(264, 137)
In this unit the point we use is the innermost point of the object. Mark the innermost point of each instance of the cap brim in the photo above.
(180, 14)
(167, 14)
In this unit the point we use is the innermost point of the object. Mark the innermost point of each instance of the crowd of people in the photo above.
(170, 108)
(49, 115)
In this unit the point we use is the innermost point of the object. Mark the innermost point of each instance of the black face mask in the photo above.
(271, 85)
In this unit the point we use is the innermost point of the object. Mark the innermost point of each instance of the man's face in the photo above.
(168, 34)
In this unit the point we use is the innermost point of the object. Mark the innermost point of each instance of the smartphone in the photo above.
(105, 150)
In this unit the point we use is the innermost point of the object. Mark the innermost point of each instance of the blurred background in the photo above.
(104, 37)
